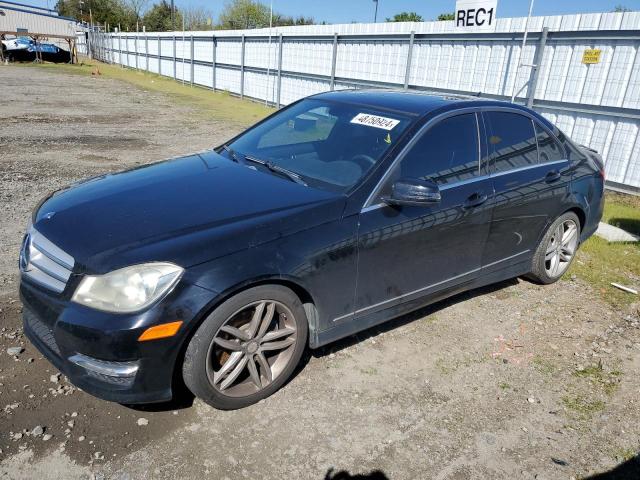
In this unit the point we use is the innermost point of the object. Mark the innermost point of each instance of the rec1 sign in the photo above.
(476, 13)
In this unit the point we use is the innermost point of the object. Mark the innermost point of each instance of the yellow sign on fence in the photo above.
(591, 56)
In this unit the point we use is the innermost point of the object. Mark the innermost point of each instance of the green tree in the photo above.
(158, 18)
(621, 8)
(197, 18)
(112, 12)
(137, 8)
(243, 14)
(406, 17)
(446, 16)
(286, 21)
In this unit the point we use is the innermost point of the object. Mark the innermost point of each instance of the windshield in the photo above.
(329, 145)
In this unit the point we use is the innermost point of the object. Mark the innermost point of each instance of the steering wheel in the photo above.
(363, 161)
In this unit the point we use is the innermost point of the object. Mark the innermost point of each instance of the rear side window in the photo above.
(446, 153)
(549, 150)
(512, 141)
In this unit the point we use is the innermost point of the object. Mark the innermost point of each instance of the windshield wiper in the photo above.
(233, 154)
(293, 176)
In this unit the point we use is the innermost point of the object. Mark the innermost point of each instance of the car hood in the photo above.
(187, 210)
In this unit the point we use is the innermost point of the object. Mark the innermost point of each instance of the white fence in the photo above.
(597, 105)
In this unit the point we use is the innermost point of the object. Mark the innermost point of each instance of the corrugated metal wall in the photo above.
(597, 105)
(35, 22)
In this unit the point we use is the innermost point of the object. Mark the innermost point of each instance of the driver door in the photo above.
(407, 252)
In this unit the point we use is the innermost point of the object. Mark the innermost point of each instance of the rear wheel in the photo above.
(247, 348)
(556, 249)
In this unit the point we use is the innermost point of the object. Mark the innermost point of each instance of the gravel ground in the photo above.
(511, 381)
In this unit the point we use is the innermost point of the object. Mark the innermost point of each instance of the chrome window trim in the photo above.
(534, 119)
(414, 140)
(369, 205)
(404, 295)
(527, 167)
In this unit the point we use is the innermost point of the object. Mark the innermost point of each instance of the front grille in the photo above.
(44, 263)
(41, 330)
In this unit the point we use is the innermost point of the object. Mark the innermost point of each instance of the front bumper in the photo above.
(99, 351)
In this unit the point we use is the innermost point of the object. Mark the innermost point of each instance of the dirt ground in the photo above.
(511, 381)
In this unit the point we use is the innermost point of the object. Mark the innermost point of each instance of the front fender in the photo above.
(320, 262)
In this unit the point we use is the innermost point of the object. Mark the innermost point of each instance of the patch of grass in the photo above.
(369, 371)
(444, 367)
(582, 407)
(624, 454)
(543, 365)
(212, 105)
(504, 386)
(622, 211)
(608, 381)
(599, 262)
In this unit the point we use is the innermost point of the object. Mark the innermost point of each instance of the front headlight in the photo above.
(129, 289)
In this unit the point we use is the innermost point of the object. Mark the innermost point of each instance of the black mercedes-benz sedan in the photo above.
(339, 212)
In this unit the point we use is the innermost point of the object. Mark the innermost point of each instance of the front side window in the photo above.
(512, 141)
(331, 145)
(549, 150)
(446, 153)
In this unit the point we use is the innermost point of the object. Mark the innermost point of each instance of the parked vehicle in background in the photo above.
(25, 49)
(337, 213)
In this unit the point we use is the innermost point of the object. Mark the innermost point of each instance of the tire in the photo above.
(542, 267)
(240, 332)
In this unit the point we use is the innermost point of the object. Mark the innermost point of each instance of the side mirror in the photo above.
(413, 191)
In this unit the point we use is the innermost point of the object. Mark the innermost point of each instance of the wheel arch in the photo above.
(580, 213)
(295, 286)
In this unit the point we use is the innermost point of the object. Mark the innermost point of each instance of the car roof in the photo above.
(411, 102)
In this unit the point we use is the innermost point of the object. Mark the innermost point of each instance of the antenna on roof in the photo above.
(479, 94)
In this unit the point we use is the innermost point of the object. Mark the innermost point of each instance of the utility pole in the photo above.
(173, 17)
(375, 15)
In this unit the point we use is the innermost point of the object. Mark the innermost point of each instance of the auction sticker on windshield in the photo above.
(375, 121)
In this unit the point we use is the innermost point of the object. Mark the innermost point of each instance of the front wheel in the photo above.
(247, 348)
(556, 249)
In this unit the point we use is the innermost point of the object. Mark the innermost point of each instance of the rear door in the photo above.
(530, 174)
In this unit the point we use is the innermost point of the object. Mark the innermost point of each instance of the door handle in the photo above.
(552, 176)
(475, 200)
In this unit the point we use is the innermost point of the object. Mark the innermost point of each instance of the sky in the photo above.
(346, 11)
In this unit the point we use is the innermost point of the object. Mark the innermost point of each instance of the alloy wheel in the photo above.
(561, 248)
(251, 348)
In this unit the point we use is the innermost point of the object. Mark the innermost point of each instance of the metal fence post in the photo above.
(242, 68)
(174, 56)
(407, 72)
(537, 63)
(333, 61)
(192, 50)
(135, 48)
(159, 55)
(213, 63)
(146, 49)
(279, 70)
